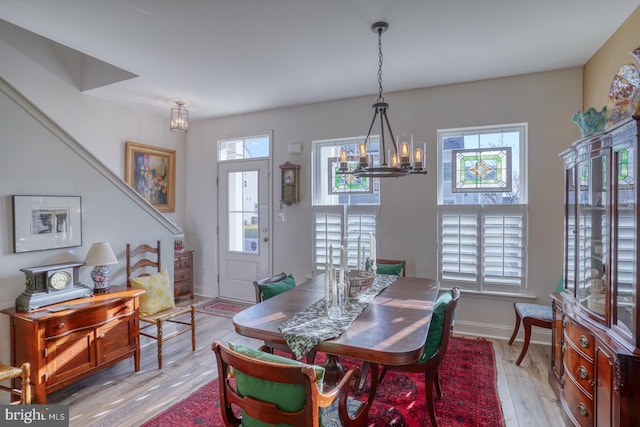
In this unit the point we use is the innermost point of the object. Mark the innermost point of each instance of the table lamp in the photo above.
(100, 255)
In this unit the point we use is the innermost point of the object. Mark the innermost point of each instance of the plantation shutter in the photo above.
(330, 227)
(327, 228)
(504, 246)
(459, 247)
(493, 237)
(361, 221)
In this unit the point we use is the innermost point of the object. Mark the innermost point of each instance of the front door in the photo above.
(244, 227)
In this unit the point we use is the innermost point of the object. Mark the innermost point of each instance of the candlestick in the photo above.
(358, 262)
(334, 287)
(327, 282)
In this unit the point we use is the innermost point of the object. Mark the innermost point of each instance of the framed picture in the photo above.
(151, 171)
(46, 222)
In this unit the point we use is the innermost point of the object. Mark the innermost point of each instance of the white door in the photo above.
(244, 227)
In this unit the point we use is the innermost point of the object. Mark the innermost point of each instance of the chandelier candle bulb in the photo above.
(363, 160)
(394, 160)
(405, 160)
(418, 157)
(343, 159)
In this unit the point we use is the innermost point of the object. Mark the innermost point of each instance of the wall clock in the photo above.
(290, 183)
(51, 284)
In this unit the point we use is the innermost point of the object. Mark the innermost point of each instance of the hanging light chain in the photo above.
(380, 97)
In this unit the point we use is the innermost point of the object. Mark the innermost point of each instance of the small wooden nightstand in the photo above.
(183, 274)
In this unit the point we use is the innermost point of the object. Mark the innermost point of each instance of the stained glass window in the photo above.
(346, 183)
(481, 170)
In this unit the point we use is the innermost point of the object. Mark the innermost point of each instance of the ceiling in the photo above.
(237, 56)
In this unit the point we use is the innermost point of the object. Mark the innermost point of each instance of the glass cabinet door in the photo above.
(625, 234)
(570, 229)
(593, 233)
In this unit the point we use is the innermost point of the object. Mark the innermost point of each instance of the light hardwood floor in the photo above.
(120, 397)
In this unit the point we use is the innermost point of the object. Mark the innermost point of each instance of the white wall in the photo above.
(546, 101)
(34, 161)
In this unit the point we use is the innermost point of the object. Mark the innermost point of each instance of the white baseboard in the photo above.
(486, 330)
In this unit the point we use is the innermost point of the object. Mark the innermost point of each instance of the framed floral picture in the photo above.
(151, 171)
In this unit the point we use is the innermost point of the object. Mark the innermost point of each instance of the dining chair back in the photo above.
(260, 284)
(140, 261)
(268, 287)
(390, 262)
(21, 389)
(268, 390)
(435, 349)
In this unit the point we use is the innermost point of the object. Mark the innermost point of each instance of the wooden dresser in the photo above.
(183, 274)
(595, 366)
(83, 337)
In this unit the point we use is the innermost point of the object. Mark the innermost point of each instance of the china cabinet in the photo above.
(595, 363)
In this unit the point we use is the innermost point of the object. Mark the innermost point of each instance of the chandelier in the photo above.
(179, 121)
(400, 159)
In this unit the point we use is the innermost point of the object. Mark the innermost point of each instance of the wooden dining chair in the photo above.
(157, 305)
(435, 348)
(539, 315)
(269, 287)
(269, 390)
(22, 374)
(391, 266)
(531, 314)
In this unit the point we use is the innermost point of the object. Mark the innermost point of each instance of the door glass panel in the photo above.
(243, 211)
(626, 245)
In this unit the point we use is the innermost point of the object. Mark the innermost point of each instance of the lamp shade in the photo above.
(100, 253)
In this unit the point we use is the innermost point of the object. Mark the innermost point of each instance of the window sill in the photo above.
(497, 295)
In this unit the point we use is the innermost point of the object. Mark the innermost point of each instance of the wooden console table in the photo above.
(68, 341)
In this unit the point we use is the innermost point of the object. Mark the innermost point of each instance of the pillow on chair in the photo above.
(288, 397)
(272, 289)
(158, 294)
(436, 328)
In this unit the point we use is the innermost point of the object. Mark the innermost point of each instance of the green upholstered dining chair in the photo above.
(391, 266)
(435, 348)
(531, 314)
(269, 287)
(269, 389)
(273, 285)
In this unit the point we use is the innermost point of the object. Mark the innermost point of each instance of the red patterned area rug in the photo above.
(468, 378)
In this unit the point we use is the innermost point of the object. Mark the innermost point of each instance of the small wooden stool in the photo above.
(10, 372)
(531, 315)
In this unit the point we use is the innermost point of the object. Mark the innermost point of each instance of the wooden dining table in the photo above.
(391, 330)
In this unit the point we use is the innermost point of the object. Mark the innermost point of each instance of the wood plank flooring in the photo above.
(118, 396)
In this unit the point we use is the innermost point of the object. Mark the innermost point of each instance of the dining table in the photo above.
(391, 330)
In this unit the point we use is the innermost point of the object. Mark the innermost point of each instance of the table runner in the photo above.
(306, 329)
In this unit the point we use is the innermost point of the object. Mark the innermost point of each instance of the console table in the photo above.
(68, 341)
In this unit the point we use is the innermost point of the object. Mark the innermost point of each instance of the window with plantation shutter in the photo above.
(349, 213)
(482, 211)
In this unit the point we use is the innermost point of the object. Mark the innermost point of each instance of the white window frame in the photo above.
(350, 223)
(467, 249)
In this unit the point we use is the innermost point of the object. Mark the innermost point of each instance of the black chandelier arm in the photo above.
(393, 138)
